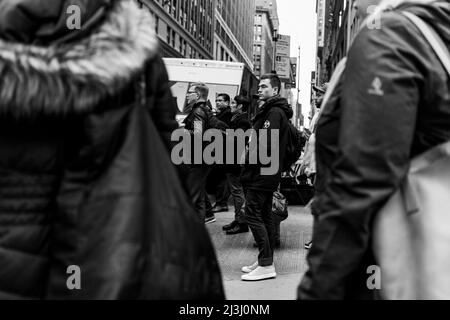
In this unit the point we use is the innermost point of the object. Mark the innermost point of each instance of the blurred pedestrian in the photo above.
(87, 188)
(392, 105)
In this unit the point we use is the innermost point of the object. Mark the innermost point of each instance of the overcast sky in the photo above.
(298, 19)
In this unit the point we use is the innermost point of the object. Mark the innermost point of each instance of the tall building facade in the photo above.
(185, 27)
(337, 26)
(233, 38)
(266, 25)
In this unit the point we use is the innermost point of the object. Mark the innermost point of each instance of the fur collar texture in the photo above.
(69, 78)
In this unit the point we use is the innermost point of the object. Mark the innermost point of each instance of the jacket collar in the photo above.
(267, 106)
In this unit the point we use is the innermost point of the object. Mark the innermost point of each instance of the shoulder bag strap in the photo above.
(433, 39)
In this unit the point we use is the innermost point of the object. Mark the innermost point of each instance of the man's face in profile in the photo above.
(266, 91)
(191, 96)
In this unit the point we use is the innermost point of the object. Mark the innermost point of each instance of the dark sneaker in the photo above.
(210, 219)
(240, 228)
(308, 245)
(218, 209)
(230, 226)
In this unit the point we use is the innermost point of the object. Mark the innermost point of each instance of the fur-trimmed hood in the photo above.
(75, 77)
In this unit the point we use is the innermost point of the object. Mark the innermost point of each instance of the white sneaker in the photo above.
(249, 269)
(260, 273)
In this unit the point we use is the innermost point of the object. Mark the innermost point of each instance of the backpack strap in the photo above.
(433, 39)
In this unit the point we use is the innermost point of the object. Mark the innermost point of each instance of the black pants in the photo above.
(258, 215)
(208, 206)
(217, 184)
(196, 183)
(237, 192)
(223, 192)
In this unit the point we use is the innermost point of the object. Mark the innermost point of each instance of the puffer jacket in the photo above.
(392, 104)
(73, 184)
(273, 115)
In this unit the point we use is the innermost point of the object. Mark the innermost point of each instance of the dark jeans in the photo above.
(223, 193)
(258, 214)
(196, 183)
(237, 192)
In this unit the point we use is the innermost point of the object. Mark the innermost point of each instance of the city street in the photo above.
(290, 260)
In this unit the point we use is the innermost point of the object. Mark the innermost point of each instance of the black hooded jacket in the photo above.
(392, 104)
(225, 116)
(85, 179)
(273, 115)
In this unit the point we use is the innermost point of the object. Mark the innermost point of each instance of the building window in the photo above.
(169, 34)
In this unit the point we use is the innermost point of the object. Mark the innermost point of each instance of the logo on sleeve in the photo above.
(267, 124)
(377, 88)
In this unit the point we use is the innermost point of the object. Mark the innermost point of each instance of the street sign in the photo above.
(283, 60)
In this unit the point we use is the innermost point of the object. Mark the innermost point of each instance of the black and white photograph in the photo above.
(224, 156)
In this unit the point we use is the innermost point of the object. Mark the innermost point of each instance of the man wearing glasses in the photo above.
(197, 121)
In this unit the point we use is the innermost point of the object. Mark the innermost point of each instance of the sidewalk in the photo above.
(236, 251)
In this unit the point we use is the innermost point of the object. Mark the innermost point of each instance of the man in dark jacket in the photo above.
(86, 182)
(197, 122)
(392, 105)
(272, 118)
(239, 121)
(217, 177)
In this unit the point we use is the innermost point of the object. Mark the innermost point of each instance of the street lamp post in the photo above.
(298, 74)
(275, 40)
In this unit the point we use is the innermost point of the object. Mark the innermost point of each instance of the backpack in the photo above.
(143, 241)
(294, 147)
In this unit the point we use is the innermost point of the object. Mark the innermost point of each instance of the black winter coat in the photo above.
(366, 137)
(225, 116)
(273, 115)
(84, 177)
